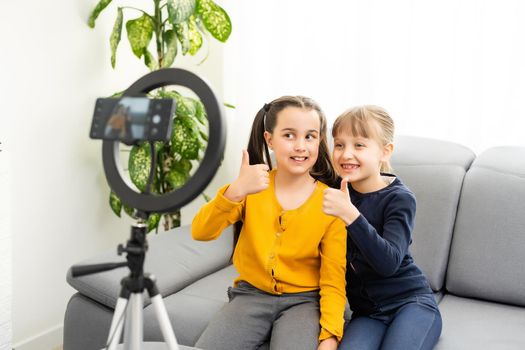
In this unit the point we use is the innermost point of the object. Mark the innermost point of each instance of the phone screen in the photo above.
(127, 119)
(131, 119)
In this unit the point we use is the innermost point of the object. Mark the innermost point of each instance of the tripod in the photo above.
(129, 303)
(128, 310)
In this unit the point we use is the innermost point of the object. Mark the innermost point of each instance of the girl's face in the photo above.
(358, 160)
(295, 140)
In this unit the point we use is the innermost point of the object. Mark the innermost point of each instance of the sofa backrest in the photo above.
(488, 248)
(434, 171)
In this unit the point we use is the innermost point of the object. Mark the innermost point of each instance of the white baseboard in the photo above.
(47, 340)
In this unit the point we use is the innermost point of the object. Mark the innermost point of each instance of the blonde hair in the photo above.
(369, 121)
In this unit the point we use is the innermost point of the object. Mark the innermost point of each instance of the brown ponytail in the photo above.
(257, 143)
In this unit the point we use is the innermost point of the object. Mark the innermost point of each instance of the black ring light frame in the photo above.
(151, 203)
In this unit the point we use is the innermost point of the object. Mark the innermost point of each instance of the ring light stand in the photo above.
(130, 302)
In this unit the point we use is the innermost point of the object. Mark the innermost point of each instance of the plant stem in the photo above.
(158, 32)
(160, 168)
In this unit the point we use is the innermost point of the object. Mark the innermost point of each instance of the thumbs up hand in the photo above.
(252, 179)
(336, 202)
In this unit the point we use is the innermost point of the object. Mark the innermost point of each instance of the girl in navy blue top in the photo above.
(392, 303)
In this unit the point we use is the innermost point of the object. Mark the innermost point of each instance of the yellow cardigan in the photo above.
(282, 251)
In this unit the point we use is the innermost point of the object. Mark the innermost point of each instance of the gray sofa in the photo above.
(469, 239)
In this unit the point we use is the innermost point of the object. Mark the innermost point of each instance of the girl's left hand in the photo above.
(337, 203)
(328, 344)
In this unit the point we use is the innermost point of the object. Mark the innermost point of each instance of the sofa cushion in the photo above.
(489, 236)
(191, 309)
(86, 324)
(178, 261)
(475, 324)
(434, 171)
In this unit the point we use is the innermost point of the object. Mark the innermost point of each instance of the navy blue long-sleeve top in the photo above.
(380, 268)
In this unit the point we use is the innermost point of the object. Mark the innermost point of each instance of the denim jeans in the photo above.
(411, 323)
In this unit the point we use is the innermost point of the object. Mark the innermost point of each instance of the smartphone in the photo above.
(132, 119)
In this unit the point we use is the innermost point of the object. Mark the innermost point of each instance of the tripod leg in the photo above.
(133, 334)
(164, 322)
(160, 312)
(115, 331)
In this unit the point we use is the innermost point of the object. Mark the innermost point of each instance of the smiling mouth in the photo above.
(299, 159)
(350, 166)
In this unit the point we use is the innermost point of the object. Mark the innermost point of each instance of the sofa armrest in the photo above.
(173, 257)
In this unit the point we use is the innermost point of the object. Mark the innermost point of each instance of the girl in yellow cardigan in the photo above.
(290, 256)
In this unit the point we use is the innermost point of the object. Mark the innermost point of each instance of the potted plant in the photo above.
(175, 26)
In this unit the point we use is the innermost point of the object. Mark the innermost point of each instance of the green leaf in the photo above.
(139, 165)
(102, 4)
(194, 35)
(115, 203)
(118, 94)
(185, 107)
(188, 122)
(180, 10)
(129, 210)
(150, 61)
(200, 111)
(206, 197)
(183, 166)
(170, 43)
(140, 31)
(215, 19)
(114, 38)
(204, 136)
(184, 139)
(175, 178)
(169, 94)
(153, 221)
(182, 32)
(229, 105)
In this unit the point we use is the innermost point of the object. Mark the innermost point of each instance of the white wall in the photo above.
(53, 67)
(6, 331)
(6, 234)
(448, 69)
(445, 69)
